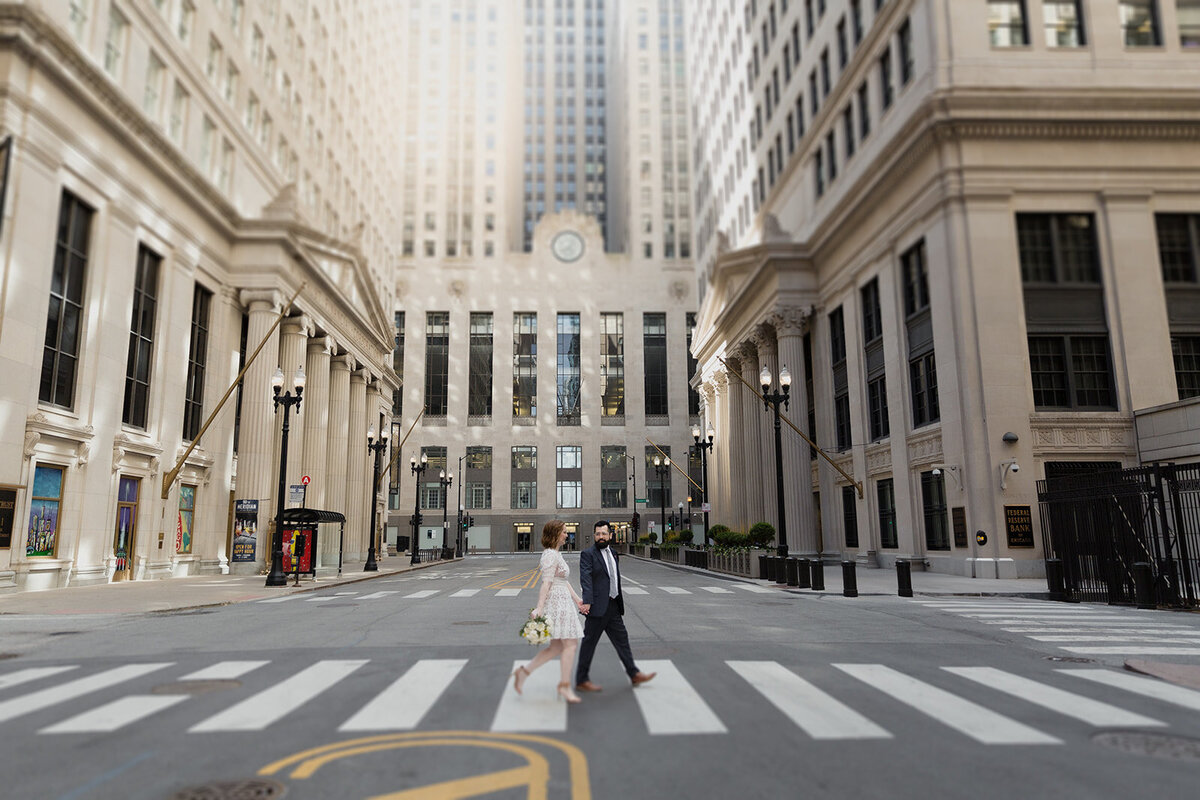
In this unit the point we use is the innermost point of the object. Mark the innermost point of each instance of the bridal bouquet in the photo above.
(536, 631)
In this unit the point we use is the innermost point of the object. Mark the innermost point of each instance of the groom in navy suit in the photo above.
(600, 584)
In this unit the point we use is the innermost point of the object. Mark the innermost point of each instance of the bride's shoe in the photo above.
(519, 677)
(564, 691)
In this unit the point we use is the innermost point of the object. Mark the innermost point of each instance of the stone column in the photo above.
(356, 459)
(316, 421)
(735, 437)
(258, 468)
(754, 460)
(293, 346)
(789, 325)
(764, 341)
(337, 442)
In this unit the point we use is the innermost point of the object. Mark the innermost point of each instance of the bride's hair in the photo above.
(551, 531)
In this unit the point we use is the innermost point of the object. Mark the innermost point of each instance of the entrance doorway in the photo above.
(572, 530)
(125, 533)
(524, 531)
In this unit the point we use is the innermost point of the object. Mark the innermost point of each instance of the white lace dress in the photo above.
(560, 608)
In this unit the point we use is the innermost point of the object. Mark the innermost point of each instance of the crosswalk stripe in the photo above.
(31, 674)
(1162, 639)
(283, 599)
(972, 719)
(750, 587)
(53, 695)
(224, 671)
(1070, 704)
(814, 711)
(632, 590)
(377, 595)
(1140, 684)
(1044, 614)
(270, 705)
(1053, 620)
(403, 704)
(319, 599)
(716, 590)
(421, 594)
(345, 594)
(1134, 651)
(508, 592)
(1176, 631)
(117, 714)
(538, 709)
(671, 706)
(674, 590)
(465, 593)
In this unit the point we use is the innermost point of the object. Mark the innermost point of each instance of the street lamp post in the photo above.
(662, 468)
(444, 481)
(458, 539)
(378, 448)
(286, 399)
(704, 446)
(679, 524)
(417, 468)
(772, 400)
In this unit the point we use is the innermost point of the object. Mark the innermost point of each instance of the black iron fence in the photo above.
(1103, 523)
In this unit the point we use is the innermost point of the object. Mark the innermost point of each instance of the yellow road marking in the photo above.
(534, 776)
(528, 579)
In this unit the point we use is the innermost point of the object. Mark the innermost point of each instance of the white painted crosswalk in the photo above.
(837, 702)
(1080, 629)
(627, 587)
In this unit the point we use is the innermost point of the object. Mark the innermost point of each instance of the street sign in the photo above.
(705, 508)
(639, 500)
(306, 480)
(296, 494)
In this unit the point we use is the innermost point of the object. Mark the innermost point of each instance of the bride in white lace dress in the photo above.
(560, 604)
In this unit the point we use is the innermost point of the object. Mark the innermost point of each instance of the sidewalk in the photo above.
(197, 591)
(883, 582)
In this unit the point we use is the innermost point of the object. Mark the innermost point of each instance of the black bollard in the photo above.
(802, 573)
(1054, 579)
(793, 572)
(780, 569)
(762, 568)
(1143, 585)
(904, 577)
(771, 568)
(818, 575)
(849, 580)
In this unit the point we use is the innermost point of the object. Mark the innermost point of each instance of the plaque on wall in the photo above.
(958, 518)
(1018, 523)
(8, 514)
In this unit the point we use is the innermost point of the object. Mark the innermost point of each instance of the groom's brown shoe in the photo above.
(642, 677)
(587, 686)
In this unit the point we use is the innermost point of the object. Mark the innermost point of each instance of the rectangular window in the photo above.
(524, 494)
(479, 394)
(187, 516)
(569, 456)
(525, 365)
(878, 408)
(871, 312)
(44, 511)
(568, 376)
(856, 20)
(1187, 14)
(887, 514)
(183, 26)
(916, 279)
(904, 41)
(841, 421)
(1058, 248)
(613, 495)
(1186, 352)
(398, 364)
(568, 494)
(692, 366)
(478, 495)
(179, 107)
(612, 365)
(850, 515)
(922, 376)
(524, 457)
(1063, 23)
(155, 74)
(432, 492)
(654, 350)
(60, 353)
(886, 90)
(193, 403)
(933, 499)
(1006, 23)
(848, 130)
(1071, 372)
(114, 42)
(1179, 247)
(1140, 23)
(141, 339)
(843, 50)
(864, 111)
(437, 358)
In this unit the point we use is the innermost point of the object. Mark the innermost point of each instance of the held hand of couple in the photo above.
(537, 612)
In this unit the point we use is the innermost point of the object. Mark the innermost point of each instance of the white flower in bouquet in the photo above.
(536, 631)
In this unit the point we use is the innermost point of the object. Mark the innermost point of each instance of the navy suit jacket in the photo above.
(594, 584)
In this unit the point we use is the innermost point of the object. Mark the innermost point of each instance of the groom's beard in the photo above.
(602, 543)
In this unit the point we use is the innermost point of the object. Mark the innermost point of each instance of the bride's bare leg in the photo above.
(567, 663)
(544, 655)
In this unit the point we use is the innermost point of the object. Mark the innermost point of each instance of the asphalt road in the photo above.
(399, 687)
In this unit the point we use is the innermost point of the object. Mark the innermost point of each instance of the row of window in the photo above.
(1065, 23)
(933, 507)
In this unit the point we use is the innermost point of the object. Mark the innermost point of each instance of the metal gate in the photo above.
(1101, 524)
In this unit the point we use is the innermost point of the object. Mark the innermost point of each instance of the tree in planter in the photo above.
(717, 529)
(761, 536)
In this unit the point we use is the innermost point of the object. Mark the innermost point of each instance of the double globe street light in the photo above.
(417, 469)
(445, 480)
(772, 400)
(704, 447)
(378, 448)
(276, 577)
(662, 468)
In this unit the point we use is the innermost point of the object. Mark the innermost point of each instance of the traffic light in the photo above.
(636, 523)
(468, 522)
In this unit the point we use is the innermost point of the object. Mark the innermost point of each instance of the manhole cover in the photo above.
(470, 622)
(1156, 745)
(251, 789)
(63, 633)
(1071, 659)
(195, 687)
(8, 655)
